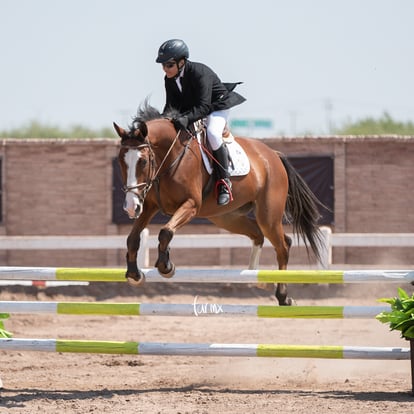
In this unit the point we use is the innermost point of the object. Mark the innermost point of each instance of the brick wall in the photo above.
(64, 187)
(57, 187)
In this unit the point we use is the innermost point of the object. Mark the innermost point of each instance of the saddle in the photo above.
(239, 163)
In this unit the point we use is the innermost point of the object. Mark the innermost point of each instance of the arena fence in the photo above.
(194, 241)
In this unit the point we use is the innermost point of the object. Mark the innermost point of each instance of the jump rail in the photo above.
(210, 275)
(41, 283)
(195, 309)
(215, 350)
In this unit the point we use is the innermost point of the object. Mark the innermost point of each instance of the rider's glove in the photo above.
(180, 122)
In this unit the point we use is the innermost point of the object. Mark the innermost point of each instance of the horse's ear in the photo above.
(120, 131)
(143, 129)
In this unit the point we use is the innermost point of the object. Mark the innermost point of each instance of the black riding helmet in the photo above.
(174, 49)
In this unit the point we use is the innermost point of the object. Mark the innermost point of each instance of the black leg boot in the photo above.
(223, 184)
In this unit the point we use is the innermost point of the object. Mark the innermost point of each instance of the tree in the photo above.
(382, 126)
(35, 129)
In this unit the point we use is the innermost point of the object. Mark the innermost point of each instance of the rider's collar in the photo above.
(180, 73)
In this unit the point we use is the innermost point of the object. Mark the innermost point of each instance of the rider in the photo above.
(196, 92)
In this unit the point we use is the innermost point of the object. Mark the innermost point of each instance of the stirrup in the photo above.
(223, 191)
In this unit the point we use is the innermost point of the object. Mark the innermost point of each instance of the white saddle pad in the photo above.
(240, 164)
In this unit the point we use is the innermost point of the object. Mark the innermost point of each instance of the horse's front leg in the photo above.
(134, 274)
(183, 215)
(164, 265)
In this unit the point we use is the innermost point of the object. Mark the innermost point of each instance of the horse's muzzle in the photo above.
(133, 214)
(133, 205)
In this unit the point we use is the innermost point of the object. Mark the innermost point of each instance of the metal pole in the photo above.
(412, 365)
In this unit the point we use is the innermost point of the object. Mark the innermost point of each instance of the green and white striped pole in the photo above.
(191, 349)
(194, 309)
(210, 275)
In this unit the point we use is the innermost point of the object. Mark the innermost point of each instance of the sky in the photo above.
(306, 65)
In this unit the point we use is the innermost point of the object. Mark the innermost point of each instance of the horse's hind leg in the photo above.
(255, 256)
(241, 224)
(281, 289)
(281, 243)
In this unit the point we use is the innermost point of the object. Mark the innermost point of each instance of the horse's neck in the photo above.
(160, 136)
(173, 148)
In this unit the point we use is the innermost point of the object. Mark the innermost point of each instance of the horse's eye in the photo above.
(143, 162)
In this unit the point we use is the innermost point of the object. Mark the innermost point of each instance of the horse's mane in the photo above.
(146, 113)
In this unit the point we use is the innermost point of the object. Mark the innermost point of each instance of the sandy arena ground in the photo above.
(88, 383)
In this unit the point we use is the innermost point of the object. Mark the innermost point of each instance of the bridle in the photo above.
(154, 171)
(148, 182)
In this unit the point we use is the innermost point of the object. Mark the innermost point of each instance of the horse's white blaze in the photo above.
(131, 158)
(131, 200)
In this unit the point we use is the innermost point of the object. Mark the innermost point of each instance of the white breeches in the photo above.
(216, 122)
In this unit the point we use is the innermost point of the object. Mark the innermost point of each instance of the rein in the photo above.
(167, 154)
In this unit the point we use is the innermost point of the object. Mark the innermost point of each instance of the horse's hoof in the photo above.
(288, 302)
(135, 282)
(292, 302)
(170, 274)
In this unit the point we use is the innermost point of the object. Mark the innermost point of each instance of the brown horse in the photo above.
(162, 170)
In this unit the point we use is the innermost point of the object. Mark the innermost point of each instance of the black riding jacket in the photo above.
(202, 93)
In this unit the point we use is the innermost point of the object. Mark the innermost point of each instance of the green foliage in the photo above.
(401, 316)
(385, 125)
(35, 129)
(3, 332)
(382, 126)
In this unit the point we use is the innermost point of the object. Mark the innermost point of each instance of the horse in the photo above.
(162, 170)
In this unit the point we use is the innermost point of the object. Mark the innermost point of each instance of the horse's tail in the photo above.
(302, 210)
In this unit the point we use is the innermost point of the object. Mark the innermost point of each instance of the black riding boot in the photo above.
(223, 184)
